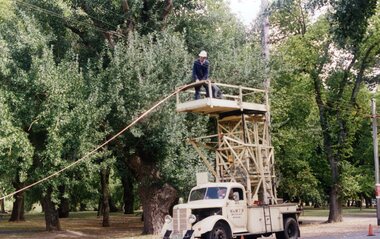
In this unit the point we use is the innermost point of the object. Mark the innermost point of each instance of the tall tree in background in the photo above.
(302, 176)
(362, 44)
(337, 58)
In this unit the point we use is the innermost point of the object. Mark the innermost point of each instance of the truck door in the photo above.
(237, 209)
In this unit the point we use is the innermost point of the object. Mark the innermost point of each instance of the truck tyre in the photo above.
(291, 230)
(219, 231)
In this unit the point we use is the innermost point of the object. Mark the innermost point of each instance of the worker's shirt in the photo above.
(200, 71)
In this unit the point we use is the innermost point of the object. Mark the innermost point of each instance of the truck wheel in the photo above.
(220, 231)
(290, 229)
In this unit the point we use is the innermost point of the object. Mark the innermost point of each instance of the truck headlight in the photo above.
(168, 219)
(192, 218)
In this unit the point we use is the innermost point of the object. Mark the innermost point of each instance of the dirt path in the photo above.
(315, 227)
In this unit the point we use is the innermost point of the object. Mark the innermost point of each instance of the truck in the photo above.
(241, 202)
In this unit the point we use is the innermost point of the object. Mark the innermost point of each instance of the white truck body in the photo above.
(232, 210)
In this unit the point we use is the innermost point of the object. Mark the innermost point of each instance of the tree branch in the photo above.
(129, 20)
(360, 75)
(343, 82)
(78, 32)
(315, 76)
(168, 8)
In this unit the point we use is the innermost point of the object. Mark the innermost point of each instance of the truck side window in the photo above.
(239, 191)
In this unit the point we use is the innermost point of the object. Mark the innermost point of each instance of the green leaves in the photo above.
(350, 20)
(6, 10)
(319, 92)
(15, 149)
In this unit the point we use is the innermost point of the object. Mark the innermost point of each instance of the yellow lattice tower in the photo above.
(242, 145)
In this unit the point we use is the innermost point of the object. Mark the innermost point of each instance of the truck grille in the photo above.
(179, 221)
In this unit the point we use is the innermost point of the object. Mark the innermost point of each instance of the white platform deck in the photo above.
(217, 106)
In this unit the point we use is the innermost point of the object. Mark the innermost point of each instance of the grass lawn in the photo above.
(79, 225)
(88, 225)
(324, 212)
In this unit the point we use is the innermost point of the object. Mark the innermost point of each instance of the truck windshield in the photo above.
(208, 193)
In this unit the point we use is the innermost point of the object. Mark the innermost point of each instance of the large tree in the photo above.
(162, 65)
(15, 155)
(337, 58)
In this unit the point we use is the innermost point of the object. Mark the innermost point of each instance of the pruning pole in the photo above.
(376, 158)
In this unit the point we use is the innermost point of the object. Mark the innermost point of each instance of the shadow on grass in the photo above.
(10, 231)
(78, 225)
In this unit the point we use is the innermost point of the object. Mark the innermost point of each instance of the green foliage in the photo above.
(211, 27)
(52, 103)
(289, 18)
(6, 10)
(302, 170)
(344, 102)
(240, 64)
(350, 179)
(300, 182)
(140, 72)
(15, 149)
(350, 20)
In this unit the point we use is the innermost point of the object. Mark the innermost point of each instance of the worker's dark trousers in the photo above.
(197, 95)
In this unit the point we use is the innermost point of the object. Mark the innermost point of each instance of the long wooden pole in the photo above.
(376, 158)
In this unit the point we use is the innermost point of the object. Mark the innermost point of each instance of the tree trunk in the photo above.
(18, 204)
(113, 207)
(2, 202)
(335, 214)
(156, 199)
(128, 197)
(104, 180)
(2, 206)
(82, 207)
(18, 208)
(335, 202)
(64, 206)
(51, 214)
(100, 206)
(368, 203)
(156, 202)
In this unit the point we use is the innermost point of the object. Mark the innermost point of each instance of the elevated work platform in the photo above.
(235, 98)
(242, 146)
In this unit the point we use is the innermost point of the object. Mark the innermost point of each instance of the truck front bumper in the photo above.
(170, 235)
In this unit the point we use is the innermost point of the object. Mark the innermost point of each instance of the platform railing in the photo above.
(229, 92)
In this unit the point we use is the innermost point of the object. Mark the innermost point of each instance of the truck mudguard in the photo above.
(165, 228)
(207, 224)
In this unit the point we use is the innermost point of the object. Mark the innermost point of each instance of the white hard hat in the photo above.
(203, 54)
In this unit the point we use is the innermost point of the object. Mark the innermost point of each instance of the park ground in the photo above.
(88, 225)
